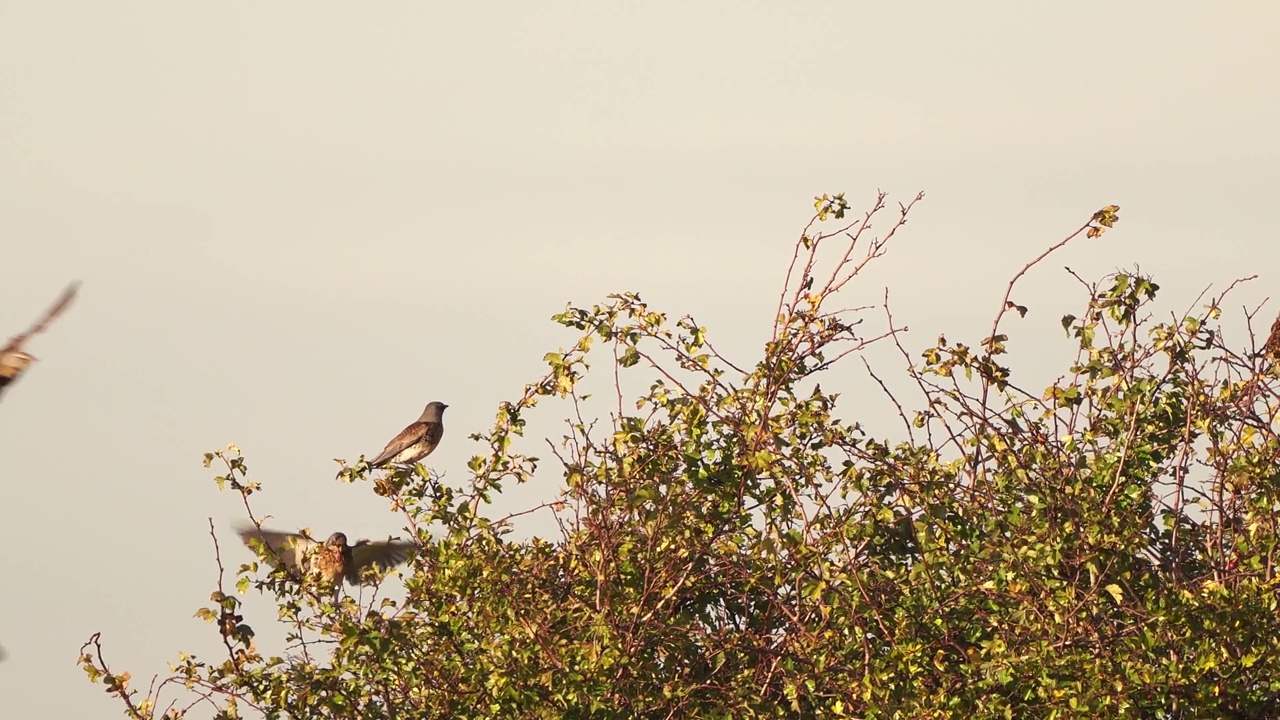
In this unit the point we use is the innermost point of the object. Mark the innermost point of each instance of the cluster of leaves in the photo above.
(729, 547)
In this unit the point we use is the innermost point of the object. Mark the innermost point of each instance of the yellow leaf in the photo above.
(1114, 591)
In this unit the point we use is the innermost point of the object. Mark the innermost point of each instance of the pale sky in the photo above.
(298, 222)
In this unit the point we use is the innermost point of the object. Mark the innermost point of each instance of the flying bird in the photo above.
(13, 359)
(332, 560)
(417, 440)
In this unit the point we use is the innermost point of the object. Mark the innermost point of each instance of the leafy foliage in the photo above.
(730, 547)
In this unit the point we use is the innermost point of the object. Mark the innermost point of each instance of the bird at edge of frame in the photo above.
(418, 440)
(330, 562)
(1271, 349)
(12, 363)
(14, 360)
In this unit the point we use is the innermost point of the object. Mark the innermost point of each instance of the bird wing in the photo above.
(380, 555)
(284, 548)
(408, 436)
(16, 342)
(58, 308)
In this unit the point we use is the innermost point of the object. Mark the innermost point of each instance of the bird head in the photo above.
(434, 411)
(337, 540)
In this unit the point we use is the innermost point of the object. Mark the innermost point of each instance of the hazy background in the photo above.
(297, 222)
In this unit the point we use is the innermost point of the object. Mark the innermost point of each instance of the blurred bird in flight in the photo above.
(331, 561)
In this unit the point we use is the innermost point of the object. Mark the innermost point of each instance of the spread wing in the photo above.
(58, 308)
(282, 548)
(16, 342)
(380, 555)
(408, 436)
(12, 359)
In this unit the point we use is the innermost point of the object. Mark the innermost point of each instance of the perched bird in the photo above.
(332, 560)
(1271, 348)
(417, 440)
